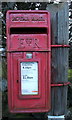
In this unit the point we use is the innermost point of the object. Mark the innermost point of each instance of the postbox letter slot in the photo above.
(28, 31)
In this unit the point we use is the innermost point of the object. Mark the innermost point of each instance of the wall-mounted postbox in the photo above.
(28, 57)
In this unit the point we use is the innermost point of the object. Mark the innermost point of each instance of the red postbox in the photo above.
(28, 56)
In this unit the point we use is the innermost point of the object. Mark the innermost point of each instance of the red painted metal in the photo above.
(60, 84)
(60, 46)
(28, 32)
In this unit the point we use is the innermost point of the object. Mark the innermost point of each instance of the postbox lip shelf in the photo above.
(22, 25)
(42, 50)
(28, 11)
(30, 26)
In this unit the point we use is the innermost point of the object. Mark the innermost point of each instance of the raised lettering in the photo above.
(36, 44)
(24, 18)
(28, 41)
(38, 19)
(20, 18)
(24, 42)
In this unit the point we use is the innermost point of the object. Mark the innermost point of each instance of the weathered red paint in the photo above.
(19, 43)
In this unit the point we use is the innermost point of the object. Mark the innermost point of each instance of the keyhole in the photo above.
(17, 81)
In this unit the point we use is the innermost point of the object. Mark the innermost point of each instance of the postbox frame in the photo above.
(10, 58)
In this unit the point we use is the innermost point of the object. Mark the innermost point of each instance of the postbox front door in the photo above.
(28, 63)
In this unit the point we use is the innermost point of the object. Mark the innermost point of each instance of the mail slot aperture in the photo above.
(28, 30)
